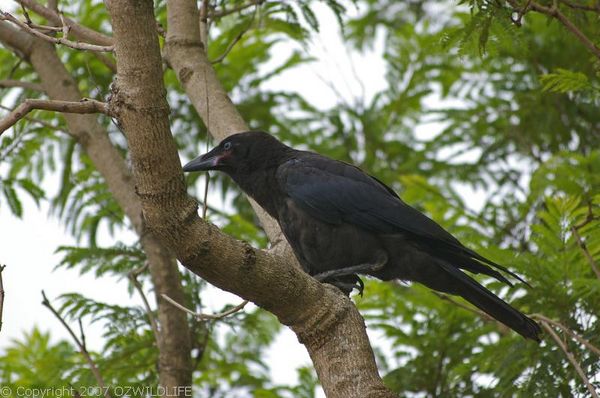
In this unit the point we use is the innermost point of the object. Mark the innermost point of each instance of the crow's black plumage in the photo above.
(341, 222)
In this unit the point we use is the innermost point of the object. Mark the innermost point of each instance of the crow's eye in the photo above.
(227, 146)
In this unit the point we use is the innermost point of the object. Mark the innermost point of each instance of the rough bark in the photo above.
(175, 367)
(326, 321)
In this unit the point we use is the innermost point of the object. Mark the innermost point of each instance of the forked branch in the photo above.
(27, 27)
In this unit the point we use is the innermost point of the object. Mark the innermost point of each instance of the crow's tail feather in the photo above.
(454, 281)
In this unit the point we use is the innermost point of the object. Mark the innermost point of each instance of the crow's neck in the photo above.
(262, 186)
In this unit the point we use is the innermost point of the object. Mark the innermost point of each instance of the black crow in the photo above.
(341, 222)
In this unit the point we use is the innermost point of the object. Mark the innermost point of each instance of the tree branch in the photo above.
(235, 40)
(571, 359)
(568, 331)
(83, 106)
(2, 293)
(202, 317)
(95, 371)
(55, 40)
(557, 14)
(594, 8)
(79, 31)
(10, 83)
(138, 286)
(233, 10)
(586, 252)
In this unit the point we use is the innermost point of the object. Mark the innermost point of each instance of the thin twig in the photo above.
(65, 27)
(83, 106)
(133, 277)
(2, 293)
(79, 31)
(241, 7)
(55, 40)
(82, 334)
(586, 252)
(80, 345)
(557, 14)
(571, 358)
(11, 83)
(201, 316)
(26, 15)
(568, 331)
(45, 27)
(594, 8)
(230, 46)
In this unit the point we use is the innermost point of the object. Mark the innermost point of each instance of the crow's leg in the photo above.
(347, 286)
(355, 269)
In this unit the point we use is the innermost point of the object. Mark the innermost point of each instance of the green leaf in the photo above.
(564, 81)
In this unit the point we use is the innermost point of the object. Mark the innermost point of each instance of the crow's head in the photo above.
(240, 154)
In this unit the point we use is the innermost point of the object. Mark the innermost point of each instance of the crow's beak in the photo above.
(208, 161)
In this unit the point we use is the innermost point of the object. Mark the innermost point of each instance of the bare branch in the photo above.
(153, 324)
(594, 8)
(1, 294)
(241, 7)
(557, 14)
(97, 375)
(571, 358)
(236, 39)
(81, 333)
(568, 331)
(83, 106)
(230, 46)
(201, 316)
(586, 252)
(11, 83)
(55, 40)
(79, 31)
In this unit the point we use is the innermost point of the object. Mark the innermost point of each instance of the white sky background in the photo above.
(27, 245)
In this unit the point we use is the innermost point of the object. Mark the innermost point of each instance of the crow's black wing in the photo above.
(336, 192)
